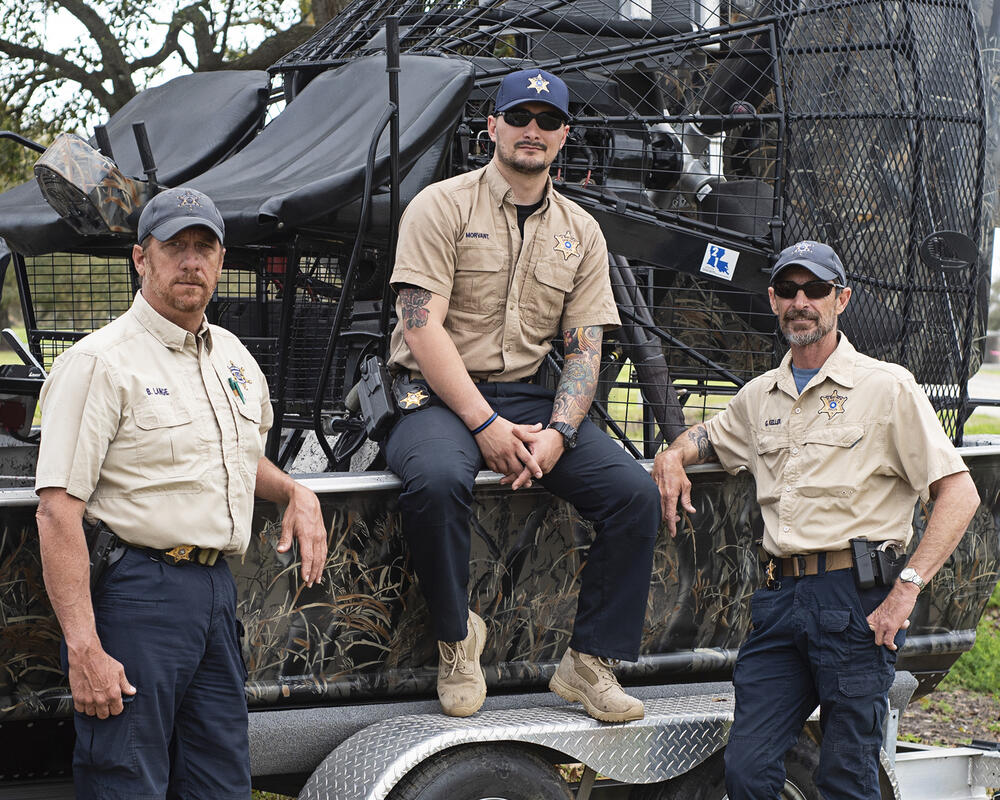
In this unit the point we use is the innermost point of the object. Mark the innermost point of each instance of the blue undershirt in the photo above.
(802, 376)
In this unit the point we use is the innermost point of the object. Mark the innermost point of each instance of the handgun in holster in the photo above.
(876, 563)
(106, 549)
(375, 396)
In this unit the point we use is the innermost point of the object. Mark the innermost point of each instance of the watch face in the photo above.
(910, 575)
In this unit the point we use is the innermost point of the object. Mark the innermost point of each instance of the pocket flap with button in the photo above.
(834, 620)
(556, 275)
(837, 436)
(769, 443)
(250, 409)
(864, 684)
(478, 259)
(150, 416)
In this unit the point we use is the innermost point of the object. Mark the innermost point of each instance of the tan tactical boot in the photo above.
(580, 678)
(461, 684)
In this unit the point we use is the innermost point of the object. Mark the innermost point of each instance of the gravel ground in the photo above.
(952, 717)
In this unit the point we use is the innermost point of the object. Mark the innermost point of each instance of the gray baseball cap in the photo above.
(173, 210)
(820, 259)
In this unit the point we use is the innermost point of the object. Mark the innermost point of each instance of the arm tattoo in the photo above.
(414, 302)
(579, 376)
(699, 437)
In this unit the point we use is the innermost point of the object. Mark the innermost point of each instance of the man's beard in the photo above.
(522, 164)
(805, 338)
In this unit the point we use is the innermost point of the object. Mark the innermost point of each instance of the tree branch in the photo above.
(112, 56)
(91, 81)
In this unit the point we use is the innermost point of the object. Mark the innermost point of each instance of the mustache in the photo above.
(801, 313)
(525, 143)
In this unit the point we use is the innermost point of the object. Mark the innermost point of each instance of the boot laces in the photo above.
(453, 654)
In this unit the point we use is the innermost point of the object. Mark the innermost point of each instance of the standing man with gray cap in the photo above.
(841, 446)
(152, 439)
(490, 266)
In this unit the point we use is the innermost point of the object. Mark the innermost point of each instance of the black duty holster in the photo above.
(106, 549)
(876, 563)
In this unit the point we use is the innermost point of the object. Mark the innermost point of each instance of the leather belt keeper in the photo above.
(185, 554)
(797, 566)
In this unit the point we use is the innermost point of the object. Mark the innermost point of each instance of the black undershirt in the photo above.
(523, 212)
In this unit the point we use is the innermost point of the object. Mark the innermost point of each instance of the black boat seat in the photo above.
(192, 122)
(309, 161)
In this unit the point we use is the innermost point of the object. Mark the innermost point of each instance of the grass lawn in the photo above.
(8, 356)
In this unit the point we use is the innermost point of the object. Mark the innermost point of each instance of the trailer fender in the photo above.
(677, 733)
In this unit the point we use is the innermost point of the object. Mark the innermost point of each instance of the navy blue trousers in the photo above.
(810, 645)
(184, 733)
(437, 459)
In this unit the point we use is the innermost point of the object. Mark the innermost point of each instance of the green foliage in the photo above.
(979, 669)
(980, 423)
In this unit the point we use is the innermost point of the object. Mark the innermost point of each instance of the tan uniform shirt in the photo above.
(140, 421)
(506, 298)
(848, 457)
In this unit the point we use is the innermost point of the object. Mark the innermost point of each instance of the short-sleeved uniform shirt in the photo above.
(506, 297)
(848, 457)
(158, 430)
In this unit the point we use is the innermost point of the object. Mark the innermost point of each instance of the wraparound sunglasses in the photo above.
(815, 290)
(520, 117)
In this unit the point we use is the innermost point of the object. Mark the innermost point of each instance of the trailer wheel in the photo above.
(707, 781)
(483, 772)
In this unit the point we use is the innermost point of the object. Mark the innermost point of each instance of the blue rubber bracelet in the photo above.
(486, 424)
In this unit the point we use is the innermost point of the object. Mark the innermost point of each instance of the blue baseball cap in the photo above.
(173, 210)
(820, 259)
(533, 86)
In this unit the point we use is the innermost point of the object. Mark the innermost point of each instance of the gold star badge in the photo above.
(833, 404)
(568, 245)
(416, 398)
(538, 83)
(188, 200)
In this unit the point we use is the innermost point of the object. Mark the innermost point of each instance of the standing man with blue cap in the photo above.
(841, 446)
(152, 439)
(490, 266)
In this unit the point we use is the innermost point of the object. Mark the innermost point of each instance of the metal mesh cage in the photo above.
(67, 295)
(704, 137)
(746, 127)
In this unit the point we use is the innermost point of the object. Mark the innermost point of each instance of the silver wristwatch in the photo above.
(909, 575)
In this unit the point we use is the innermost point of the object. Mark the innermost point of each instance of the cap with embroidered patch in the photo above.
(533, 86)
(820, 259)
(173, 210)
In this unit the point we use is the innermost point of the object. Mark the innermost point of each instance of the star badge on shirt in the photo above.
(417, 398)
(833, 404)
(539, 84)
(567, 244)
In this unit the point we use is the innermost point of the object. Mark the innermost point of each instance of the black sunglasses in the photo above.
(520, 117)
(814, 290)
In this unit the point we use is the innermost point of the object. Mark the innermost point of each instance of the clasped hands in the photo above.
(519, 453)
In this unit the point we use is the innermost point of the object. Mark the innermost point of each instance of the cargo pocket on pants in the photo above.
(835, 644)
(106, 744)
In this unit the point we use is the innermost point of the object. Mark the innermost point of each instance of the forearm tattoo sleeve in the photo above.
(579, 376)
(414, 302)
